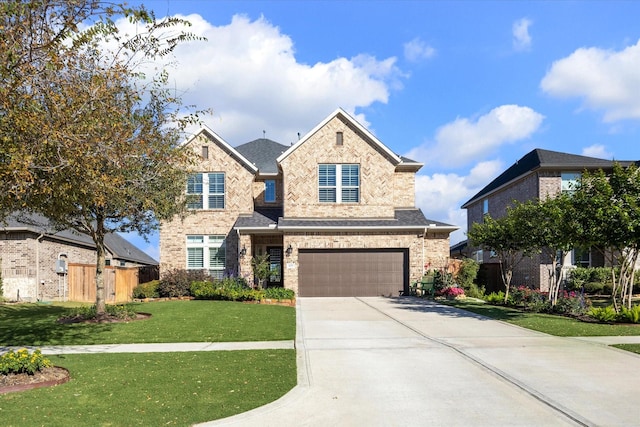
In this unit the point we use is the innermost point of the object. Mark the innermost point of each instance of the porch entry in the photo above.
(275, 266)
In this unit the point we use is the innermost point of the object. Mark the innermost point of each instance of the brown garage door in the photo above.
(348, 273)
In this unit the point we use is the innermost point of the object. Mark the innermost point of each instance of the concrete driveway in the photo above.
(408, 362)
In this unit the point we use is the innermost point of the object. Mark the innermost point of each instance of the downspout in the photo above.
(424, 236)
(238, 254)
(38, 266)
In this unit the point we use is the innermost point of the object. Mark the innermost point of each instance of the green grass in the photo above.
(171, 321)
(549, 324)
(635, 348)
(154, 389)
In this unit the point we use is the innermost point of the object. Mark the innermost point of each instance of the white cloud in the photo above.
(463, 141)
(247, 73)
(417, 50)
(597, 151)
(441, 195)
(606, 80)
(521, 37)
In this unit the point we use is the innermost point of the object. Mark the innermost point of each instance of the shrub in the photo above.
(529, 299)
(594, 287)
(177, 282)
(495, 298)
(203, 290)
(603, 314)
(230, 289)
(120, 311)
(279, 293)
(468, 273)
(631, 315)
(594, 279)
(147, 290)
(19, 362)
(452, 292)
(571, 303)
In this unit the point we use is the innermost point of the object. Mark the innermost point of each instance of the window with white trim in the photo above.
(339, 183)
(206, 253)
(206, 191)
(270, 191)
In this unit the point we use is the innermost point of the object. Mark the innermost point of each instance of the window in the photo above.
(569, 181)
(207, 253)
(209, 184)
(581, 257)
(270, 191)
(485, 207)
(339, 183)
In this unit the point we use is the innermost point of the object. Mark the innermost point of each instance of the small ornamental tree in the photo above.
(607, 210)
(505, 239)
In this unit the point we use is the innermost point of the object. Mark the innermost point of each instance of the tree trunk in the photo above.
(98, 239)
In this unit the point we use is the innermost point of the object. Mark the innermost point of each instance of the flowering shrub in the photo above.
(451, 292)
(18, 362)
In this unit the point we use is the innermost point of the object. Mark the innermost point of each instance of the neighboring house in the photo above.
(334, 212)
(34, 258)
(537, 175)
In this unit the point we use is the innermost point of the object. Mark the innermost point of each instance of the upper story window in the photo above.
(485, 207)
(206, 253)
(570, 181)
(270, 191)
(339, 183)
(206, 191)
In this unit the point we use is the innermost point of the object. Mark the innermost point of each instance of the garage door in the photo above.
(349, 273)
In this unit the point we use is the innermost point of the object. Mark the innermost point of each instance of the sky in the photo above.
(465, 87)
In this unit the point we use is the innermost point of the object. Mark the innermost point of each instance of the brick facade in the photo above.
(28, 263)
(383, 188)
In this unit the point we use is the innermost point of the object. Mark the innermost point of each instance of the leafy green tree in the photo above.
(88, 140)
(551, 229)
(607, 210)
(504, 238)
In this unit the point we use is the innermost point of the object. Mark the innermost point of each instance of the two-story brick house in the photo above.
(335, 212)
(537, 175)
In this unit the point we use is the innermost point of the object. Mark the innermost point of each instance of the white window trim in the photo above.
(206, 243)
(339, 187)
(205, 191)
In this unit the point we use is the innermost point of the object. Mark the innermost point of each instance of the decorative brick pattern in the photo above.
(300, 171)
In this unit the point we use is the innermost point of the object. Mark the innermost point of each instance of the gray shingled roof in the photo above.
(263, 154)
(403, 218)
(539, 158)
(116, 244)
(260, 218)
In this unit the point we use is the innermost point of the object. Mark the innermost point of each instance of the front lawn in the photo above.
(554, 325)
(171, 321)
(154, 389)
(635, 348)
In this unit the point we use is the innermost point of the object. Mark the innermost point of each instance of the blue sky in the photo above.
(466, 87)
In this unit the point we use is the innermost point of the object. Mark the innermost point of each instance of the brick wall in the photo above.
(238, 200)
(300, 170)
(29, 263)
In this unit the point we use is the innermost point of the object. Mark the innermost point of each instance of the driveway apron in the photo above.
(409, 362)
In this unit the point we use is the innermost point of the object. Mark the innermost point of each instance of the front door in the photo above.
(275, 266)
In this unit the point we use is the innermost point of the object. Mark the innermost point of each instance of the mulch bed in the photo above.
(47, 377)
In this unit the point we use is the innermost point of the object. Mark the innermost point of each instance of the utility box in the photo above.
(61, 266)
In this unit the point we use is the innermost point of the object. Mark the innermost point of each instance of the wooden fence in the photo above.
(118, 283)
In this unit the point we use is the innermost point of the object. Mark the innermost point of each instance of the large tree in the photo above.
(88, 140)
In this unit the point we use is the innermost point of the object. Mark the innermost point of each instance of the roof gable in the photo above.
(343, 114)
(538, 159)
(224, 145)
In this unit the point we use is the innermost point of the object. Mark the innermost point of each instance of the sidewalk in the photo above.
(158, 347)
